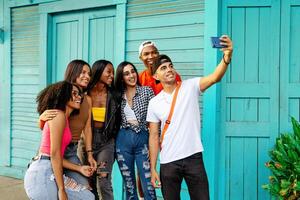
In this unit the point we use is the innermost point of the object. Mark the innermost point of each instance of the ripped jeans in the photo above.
(71, 155)
(39, 184)
(131, 148)
(105, 157)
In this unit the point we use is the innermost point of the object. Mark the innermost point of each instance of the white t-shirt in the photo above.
(183, 136)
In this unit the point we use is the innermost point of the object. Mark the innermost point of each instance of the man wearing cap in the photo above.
(148, 53)
(180, 141)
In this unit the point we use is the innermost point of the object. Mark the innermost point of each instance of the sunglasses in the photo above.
(76, 93)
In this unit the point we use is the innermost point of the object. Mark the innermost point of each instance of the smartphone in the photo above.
(215, 42)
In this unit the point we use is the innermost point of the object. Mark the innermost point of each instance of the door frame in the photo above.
(47, 9)
(211, 100)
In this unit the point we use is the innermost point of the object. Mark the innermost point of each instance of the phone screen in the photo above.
(215, 42)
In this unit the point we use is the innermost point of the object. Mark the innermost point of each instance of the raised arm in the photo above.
(216, 76)
(57, 126)
(153, 151)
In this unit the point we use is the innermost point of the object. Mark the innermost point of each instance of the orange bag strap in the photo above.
(168, 121)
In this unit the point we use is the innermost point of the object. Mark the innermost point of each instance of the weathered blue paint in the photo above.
(289, 67)
(2, 79)
(25, 134)
(177, 28)
(45, 74)
(1, 35)
(5, 88)
(211, 105)
(47, 9)
(242, 115)
(249, 98)
(20, 3)
(70, 5)
(120, 38)
(67, 42)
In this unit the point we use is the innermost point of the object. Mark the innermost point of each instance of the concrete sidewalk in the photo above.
(12, 189)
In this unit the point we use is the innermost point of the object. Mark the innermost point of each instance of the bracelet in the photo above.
(227, 63)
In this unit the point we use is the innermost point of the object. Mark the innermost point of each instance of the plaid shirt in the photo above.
(140, 102)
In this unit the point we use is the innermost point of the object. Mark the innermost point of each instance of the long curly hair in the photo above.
(55, 96)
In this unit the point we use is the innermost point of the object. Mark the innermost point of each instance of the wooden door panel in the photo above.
(67, 42)
(100, 37)
(249, 98)
(290, 65)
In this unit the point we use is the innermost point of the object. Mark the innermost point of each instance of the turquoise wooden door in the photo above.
(99, 37)
(87, 35)
(249, 98)
(67, 42)
(289, 64)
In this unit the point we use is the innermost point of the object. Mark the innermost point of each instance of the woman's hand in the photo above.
(62, 195)
(92, 162)
(48, 115)
(86, 170)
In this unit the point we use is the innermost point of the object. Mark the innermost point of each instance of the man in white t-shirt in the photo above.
(181, 147)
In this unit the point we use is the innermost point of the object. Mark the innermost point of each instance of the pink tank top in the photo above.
(46, 143)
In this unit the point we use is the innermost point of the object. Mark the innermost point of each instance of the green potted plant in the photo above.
(284, 183)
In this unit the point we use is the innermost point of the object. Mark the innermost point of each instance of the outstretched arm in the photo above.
(216, 76)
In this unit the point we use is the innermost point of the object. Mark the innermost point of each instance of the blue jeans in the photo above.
(132, 147)
(39, 184)
(192, 170)
(71, 155)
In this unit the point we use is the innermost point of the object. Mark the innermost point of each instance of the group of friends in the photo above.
(98, 115)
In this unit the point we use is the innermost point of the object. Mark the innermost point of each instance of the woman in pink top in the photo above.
(44, 178)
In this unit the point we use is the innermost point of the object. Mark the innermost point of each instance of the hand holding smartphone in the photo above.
(216, 43)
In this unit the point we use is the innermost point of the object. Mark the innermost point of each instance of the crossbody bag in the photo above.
(168, 121)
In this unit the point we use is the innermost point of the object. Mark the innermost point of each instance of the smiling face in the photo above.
(84, 77)
(75, 101)
(129, 76)
(148, 56)
(165, 73)
(107, 76)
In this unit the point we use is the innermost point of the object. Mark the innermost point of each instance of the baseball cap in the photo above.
(146, 44)
(159, 61)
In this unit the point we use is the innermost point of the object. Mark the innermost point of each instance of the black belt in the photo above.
(43, 157)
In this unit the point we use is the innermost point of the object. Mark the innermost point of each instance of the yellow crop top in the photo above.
(99, 114)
